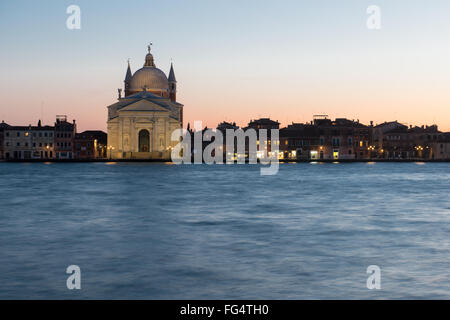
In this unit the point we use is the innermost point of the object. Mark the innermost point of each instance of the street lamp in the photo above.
(110, 148)
(371, 149)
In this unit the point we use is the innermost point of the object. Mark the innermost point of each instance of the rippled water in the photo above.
(158, 231)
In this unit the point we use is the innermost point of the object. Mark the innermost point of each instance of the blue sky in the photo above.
(234, 60)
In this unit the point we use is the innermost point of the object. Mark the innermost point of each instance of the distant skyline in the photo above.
(233, 60)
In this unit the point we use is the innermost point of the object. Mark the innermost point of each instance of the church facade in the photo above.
(141, 122)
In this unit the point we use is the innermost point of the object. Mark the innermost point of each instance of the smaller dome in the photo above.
(149, 61)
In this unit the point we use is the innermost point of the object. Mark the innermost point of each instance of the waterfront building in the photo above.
(409, 143)
(267, 124)
(441, 147)
(300, 141)
(344, 139)
(324, 139)
(140, 124)
(29, 142)
(83, 147)
(336, 139)
(223, 127)
(363, 145)
(64, 135)
(380, 129)
(3, 126)
(90, 144)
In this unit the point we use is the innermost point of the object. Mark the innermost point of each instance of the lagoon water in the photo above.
(161, 231)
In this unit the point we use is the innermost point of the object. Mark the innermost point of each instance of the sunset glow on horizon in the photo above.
(234, 61)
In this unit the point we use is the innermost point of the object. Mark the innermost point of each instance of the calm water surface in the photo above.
(159, 231)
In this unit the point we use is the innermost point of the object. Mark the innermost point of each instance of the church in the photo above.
(141, 122)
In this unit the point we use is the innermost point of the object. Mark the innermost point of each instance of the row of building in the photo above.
(320, 139)
(60, 141)
(344, 139)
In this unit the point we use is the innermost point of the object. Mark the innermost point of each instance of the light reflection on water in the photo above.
(149, 230)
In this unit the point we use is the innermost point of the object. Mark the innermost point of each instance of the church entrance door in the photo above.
(144, 141)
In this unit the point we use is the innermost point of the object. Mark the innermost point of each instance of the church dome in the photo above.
(149, 77)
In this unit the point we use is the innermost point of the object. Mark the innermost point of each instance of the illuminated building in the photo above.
(140, 124)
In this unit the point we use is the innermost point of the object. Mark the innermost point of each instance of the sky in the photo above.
(233, 60)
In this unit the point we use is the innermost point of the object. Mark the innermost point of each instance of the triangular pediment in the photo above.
(143, 105)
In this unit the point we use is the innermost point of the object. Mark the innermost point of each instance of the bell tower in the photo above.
(172, 85)
(127, 80)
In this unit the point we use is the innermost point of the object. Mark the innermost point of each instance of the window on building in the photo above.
(335, 142)
(18, 134)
